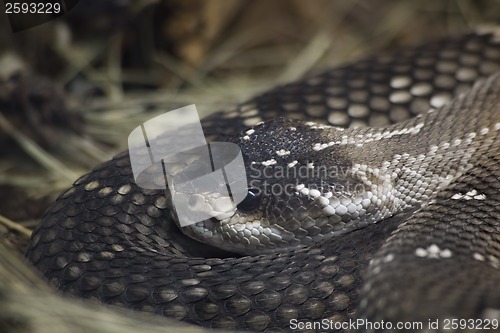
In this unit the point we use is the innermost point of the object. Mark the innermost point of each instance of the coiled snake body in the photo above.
(431, 183)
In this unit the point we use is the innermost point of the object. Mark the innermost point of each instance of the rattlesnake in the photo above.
(432, 181)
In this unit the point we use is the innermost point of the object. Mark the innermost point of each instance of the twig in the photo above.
(15, 226)
(35, 151)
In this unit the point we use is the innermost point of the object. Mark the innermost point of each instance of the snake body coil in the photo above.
(417, 240)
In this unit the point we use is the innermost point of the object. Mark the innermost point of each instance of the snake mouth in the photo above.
(207, 226)
(202, 212)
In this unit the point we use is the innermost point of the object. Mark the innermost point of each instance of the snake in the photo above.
(388, 209)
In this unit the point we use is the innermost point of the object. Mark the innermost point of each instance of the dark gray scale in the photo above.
(455, 242)
(376, 91)
(109, 240)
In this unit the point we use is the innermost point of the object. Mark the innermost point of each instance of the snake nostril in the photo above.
(251, 201)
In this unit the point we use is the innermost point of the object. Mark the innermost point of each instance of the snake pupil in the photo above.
(251, 201)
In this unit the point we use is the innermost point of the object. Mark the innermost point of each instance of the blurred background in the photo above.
(72, 89)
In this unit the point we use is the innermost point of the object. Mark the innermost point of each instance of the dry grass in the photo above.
(212, 55)
(255, 46)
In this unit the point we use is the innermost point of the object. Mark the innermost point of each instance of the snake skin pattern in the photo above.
(108, 239)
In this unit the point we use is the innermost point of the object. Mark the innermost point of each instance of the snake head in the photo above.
(298, 195)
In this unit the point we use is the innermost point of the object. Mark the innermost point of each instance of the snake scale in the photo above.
(419, 241)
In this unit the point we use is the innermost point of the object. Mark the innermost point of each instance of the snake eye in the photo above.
(251, 201)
